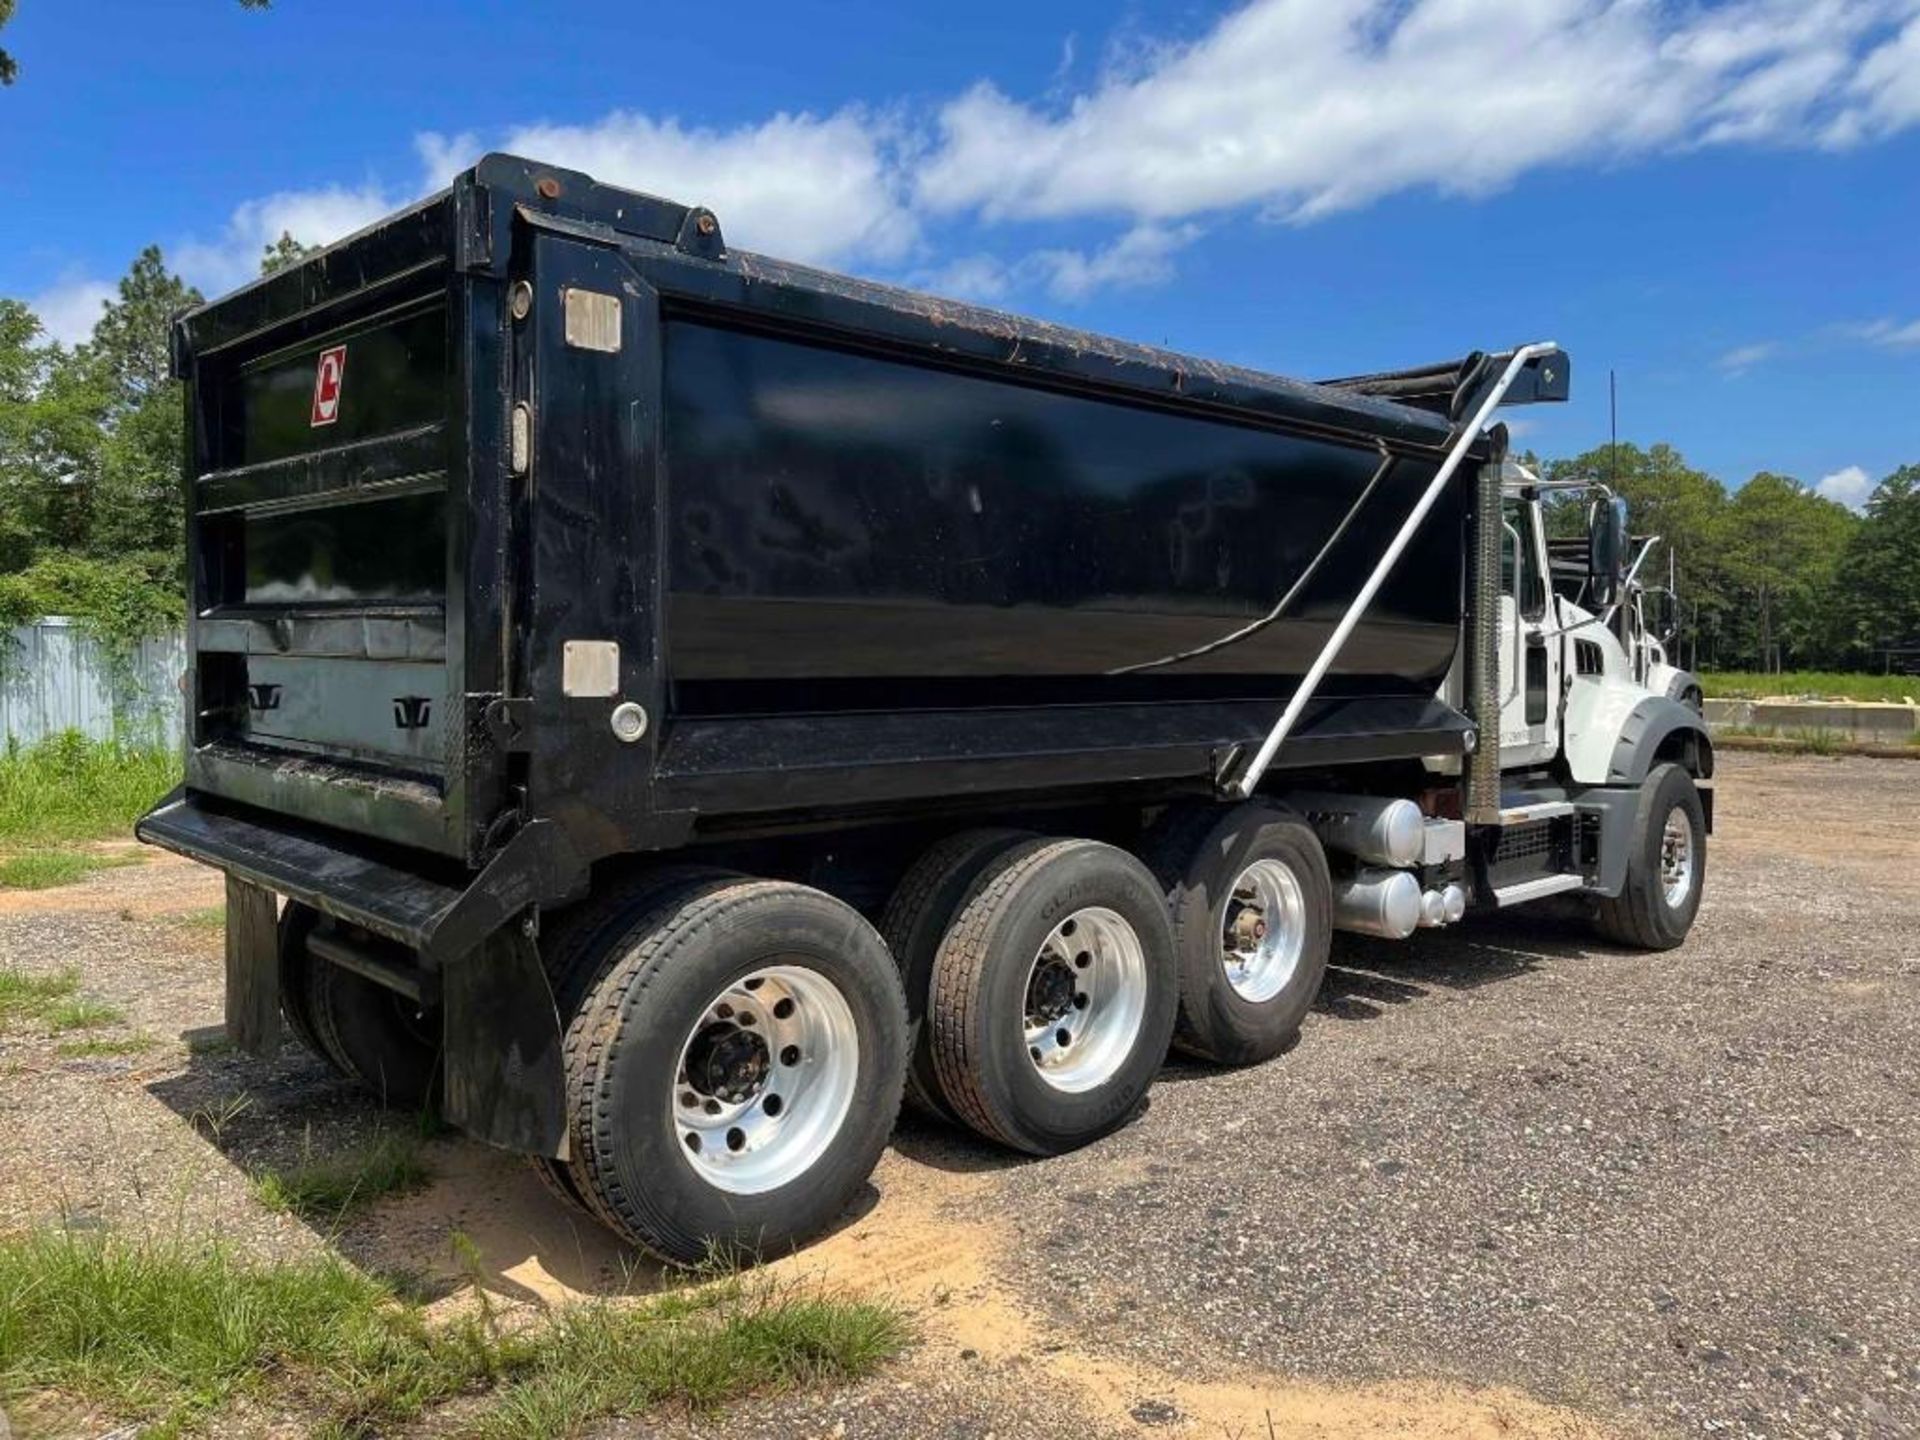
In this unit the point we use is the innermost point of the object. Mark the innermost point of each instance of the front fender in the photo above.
(1647, 732)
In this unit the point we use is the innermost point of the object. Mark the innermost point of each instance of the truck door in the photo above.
(1529, 646)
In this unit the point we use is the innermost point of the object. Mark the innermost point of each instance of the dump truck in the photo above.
(658, 705)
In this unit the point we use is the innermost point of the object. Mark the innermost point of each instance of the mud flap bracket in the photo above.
(505, 1071)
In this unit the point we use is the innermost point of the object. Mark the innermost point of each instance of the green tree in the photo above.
(1665, 497)
(91, 437)
(1878, 578)
(1782, 545)
(284, 252)
(136, 472)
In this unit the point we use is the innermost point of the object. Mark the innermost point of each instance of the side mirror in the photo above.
(1607, 550)
(1666, 615)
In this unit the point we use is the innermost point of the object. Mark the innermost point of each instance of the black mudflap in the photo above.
(253, 968)
(505, 1071)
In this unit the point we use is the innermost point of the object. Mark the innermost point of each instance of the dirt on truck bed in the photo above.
(1511, 1182)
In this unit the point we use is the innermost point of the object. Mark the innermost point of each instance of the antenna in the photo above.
(1613, 432)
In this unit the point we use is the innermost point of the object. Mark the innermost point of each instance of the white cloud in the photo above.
(313, 217)
(1891, 333)
(1743, 358)
(809, 188)
(70, 308)
(1288, 109)
(1307, 107)
(1885, 93)
(1142, 256)
(980, 278)
(1850, 487)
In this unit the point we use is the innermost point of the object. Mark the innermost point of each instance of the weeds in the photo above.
(212, 917)
(213, 1118)
(330, 1187)
(45, 869)
(99, 1046)
(168, 1334)
(53, 1000)
(1801, 740)
(33, 997)
(70, 788)
(78, 1012)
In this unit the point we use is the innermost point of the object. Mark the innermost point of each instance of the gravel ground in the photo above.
(1511, 1182)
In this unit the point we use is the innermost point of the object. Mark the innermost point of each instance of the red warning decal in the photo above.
(327, 379)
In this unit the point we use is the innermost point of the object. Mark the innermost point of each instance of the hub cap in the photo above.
(765, 1079)
(1263, 930)
(1086, 998)
(1676, 858)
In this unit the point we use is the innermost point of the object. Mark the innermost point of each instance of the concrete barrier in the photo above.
(1863, 720)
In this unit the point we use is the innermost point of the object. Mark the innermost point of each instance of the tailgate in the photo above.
(325, 529)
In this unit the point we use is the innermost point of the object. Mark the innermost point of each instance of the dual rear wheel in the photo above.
(736, 1049)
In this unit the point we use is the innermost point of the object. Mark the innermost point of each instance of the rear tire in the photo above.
(735, 1069)
(913, 925)
(375, 1036)
(296, 923)
(571, 952)
(1054, 995)
(1252, 908)
(1666, 867)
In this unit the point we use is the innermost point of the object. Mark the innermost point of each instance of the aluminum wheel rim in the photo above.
(1086, 999)
(765, 1078)
(1263, 930)
(1676, 858)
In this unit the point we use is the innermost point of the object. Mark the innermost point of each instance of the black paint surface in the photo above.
(840, 522)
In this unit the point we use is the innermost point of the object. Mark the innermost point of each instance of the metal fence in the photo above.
(54, 678)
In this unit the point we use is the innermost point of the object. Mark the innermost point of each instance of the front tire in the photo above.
(1054, 995)
(735, 1070)
(1252, 908)
(1666, 867)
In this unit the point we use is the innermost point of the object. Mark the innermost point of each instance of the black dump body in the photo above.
(863, 554)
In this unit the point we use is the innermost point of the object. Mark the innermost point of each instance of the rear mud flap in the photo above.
(253, 968)
(505, 1073)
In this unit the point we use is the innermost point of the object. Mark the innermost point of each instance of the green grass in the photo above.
(33, 997)
(212, 917)
(170, 1334)
(70, 788)
(53, 1000)
(1822, 684)
(78, 1012)
(100, 1046)
(46, 869)
(329, 1187)
(1799, 740)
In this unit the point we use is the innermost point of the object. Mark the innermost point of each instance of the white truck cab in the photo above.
(1605, 768)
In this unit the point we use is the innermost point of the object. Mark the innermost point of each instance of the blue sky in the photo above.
(1721, 201)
